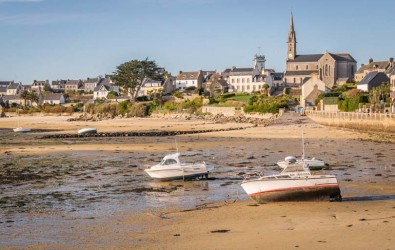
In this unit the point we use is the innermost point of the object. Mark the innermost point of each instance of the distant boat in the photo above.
(170, 168)
(21, 130)
(87, 131)
(313, 163)
(294, 183)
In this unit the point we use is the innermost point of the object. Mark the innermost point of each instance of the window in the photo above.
(169, 162)
(248, 87)
(307, 67)
(297, 67)
(237, 80)
(233, 80)
(242, 80)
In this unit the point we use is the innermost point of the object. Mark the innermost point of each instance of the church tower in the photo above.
(291, 53)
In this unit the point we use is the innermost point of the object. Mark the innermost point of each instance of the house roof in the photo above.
(374, 79)
(149, 80)
(343, 57)
(73, 82)
(242, 70)
(300, 72)
(39, 83)
(52, 97)
(3, 89)
(5, 83)
(188, 75)
(104, 85)
(92, 80)
(59, 82)
(307, 58)
(277, 76)
(383, 65)
(13, 86)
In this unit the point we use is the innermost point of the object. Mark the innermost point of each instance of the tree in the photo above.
(130, 75)
(25, 96)
(112, 95)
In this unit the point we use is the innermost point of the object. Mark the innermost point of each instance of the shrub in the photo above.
(139, 110)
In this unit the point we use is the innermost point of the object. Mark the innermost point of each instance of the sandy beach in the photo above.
(92, 192)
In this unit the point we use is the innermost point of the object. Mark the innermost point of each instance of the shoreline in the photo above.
(92, 193)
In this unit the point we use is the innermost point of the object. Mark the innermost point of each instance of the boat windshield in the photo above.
(165, 162)
(295, 168)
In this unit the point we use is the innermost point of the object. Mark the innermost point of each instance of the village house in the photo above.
(14, 89)
(73, 85)
(372, 79)
(216, 84)
(311, 89)
(39, 86)
(12, 100)
(372, 66)
(53, 98)
(150, 86)
(104, 88)
(58, 85)
(91, 83)
(169, 85)
(250, 79)
(332, 68)
(189, 79)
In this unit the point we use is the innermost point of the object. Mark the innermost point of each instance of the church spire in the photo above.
(291, 53)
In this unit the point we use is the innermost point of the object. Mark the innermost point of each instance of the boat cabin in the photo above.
(171, 159)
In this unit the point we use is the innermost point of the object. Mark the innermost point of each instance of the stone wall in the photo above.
(360, 121)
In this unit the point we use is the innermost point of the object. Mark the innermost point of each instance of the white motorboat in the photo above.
(21, 130)
(312, 163)
(294, 183)
(87, 131)
(170, 168)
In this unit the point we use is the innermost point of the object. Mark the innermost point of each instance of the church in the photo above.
(332, 68)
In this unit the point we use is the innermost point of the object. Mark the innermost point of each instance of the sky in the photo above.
(76, 39)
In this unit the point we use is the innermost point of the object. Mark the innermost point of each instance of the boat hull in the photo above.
(87, 131)
(178, 173)
(307, 189)
(312, 164)
(22, 130)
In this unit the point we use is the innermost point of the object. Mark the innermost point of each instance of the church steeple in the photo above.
(291, 53)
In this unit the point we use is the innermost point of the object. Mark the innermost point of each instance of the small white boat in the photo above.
(170, 168)
(294, 183)
(87, 131)
(21, 130)
(313, 163)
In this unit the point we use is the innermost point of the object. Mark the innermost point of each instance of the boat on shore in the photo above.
(294, 183)
(170, 168)
(312, 163)
(87, 131)
(21, 130)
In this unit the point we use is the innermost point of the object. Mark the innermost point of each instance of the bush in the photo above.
(123, 107)
(264, 104)
(178, 94)
(139, 110)
(228, 95)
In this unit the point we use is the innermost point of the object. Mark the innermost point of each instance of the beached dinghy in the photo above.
(170, 168)
(21, 130)
(294, 183)
(87, 131)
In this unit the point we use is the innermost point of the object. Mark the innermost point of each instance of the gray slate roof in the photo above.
(307, 58)
(52, 97)
(300, 72)
(374, 79)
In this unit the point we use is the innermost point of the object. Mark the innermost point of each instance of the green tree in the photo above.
(112, 95)
(25, 96)
(130, 75)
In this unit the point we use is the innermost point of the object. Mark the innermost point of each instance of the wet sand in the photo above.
(93, 193)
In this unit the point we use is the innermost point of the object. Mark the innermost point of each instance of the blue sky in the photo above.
(75, 39)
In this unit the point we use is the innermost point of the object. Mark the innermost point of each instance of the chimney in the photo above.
(180, 72)
(391, 62)
(362, 64)
(370, 60)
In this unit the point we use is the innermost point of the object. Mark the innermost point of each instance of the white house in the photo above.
(372, 79)
(250, 79)
(54, 98)
(14, 89)
(91, 83)
(38, 86)
(189, 79)
(104, 87)
(149, 85)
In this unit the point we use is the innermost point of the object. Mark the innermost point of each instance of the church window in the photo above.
(329, 71)
(326, 70)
